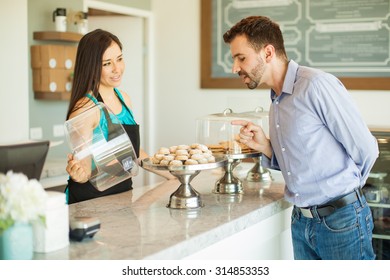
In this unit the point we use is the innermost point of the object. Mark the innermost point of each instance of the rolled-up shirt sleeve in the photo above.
(271, 163)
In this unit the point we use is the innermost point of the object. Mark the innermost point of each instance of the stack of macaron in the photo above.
(183, 155)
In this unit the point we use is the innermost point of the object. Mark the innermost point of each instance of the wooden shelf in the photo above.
(57, 36)
(60, 37)
(52, 95)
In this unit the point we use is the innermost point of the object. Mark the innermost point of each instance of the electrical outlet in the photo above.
(58, 130)
(36, 133)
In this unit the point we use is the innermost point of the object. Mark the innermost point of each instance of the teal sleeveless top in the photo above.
(125, 116)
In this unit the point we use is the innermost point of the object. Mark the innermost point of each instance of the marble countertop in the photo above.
(138, 225)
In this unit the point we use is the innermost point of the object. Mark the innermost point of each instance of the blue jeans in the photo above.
(346, 234)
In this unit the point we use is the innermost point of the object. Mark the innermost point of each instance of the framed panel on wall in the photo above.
(350, 39)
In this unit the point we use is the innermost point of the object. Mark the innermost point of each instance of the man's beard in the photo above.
(256, 75)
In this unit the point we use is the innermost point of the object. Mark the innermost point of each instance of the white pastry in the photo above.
(183, 147)
(207, 154)
(197, 156)
(183, 157)
(172, 149)
(159, 156)
(181, 152)
(164, 162)
(176, 162)
(191, 162)
(169, 157)
(164, 150)
(211, 159)
(194, 145)
(203, 160)
(195, 151)
(202, 147)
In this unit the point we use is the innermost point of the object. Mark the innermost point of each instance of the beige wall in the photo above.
(14, 109)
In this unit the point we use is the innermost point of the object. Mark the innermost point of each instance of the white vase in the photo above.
(16, 242)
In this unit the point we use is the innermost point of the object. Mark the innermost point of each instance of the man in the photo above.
(318, 140)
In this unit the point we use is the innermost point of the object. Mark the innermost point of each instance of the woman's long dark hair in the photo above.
(88, 65)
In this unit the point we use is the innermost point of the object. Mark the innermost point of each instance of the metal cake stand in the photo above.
(258, 173)
(229, 184)
(185, 197)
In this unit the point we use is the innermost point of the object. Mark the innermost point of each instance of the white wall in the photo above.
(374, 106)
(180, 100)
(274, 242)
(14, 122)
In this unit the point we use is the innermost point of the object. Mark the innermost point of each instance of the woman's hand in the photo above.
(76, 170)
(254, 137)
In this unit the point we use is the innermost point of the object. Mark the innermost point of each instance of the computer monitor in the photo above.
(27, 158)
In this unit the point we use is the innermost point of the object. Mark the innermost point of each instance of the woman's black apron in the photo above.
(83, 191)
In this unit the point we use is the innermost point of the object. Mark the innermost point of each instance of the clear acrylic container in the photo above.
(110, 157)
(217, 132)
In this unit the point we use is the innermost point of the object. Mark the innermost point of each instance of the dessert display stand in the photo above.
(185, 197)
(230, 184)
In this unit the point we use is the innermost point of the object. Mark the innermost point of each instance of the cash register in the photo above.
(26, 157)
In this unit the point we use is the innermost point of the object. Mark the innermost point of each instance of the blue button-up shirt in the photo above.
(320, 142)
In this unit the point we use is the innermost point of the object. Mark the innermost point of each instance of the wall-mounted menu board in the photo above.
(348, 38)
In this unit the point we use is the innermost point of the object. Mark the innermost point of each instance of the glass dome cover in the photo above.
(221, 137)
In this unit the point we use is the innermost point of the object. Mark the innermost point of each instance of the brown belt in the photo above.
(331, 206)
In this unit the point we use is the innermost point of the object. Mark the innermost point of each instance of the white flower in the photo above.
(21, 200)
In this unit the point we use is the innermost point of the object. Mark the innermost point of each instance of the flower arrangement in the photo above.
(21, 200)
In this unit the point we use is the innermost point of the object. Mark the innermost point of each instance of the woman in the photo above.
(98, 72)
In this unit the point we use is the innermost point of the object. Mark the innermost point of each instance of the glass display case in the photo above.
(377, 192)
